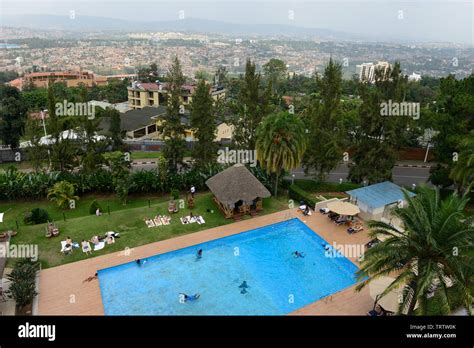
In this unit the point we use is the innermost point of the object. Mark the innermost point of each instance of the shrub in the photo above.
(94, 206)
(174, 194)
(62, 193)
(315, 186)
(439, 176)
(22, 287)
(297, 194)
(37, 216)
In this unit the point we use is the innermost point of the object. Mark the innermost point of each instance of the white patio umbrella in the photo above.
(390, 301)
(343, 208)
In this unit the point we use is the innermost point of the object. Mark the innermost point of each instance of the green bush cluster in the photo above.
(22, 287)
(315, 186)
(94, 206)
(298, 194)
(36, 216)
(19, 185)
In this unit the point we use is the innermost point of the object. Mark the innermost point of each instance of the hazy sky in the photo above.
(446, 20)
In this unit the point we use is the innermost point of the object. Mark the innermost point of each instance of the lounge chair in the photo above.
(355, 229)
(86, 249)
(99, 246)
(165, 220)
(149, 223)
(3, 298)
(157, 221)
(377, 311)
(64, 249)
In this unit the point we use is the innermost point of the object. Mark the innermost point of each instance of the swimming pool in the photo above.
(278, 282)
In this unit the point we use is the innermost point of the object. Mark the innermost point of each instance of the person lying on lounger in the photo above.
(149, 222)
(113, 234)
(110, 239)
(91, 278)
(302, 206)
(157, 220)
(86, 247)
(95, 240)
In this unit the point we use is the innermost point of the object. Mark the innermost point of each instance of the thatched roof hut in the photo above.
(237, 190)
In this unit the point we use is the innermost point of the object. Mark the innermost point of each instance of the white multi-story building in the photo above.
(366, 71)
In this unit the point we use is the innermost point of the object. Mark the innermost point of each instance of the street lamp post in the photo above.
(45, 135)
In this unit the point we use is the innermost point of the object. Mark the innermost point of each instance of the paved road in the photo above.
(401, 175)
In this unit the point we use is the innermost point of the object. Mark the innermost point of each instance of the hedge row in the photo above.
(315, 186)
(298, 194)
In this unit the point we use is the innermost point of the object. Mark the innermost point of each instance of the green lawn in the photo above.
(145, 154)
(136, 155)
(17, 165)
(129, 221)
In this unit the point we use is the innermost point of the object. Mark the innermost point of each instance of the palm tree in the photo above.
(436, 248)
(281, 143)
(463, 171)
(62, 193)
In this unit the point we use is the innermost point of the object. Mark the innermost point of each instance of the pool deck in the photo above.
(62, 290)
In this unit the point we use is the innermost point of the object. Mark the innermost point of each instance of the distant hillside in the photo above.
(91, 23)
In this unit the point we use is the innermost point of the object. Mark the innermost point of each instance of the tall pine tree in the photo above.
(203, 121)
(173, 129)
(251, 106)
(62, 149)
(323, 119)
(379, 136)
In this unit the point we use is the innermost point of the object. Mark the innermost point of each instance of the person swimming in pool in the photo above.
(199, 254)
(140, 262)
(298, 254)
(190, 298)
(244, 286)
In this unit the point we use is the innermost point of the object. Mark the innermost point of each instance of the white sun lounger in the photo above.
(63, 245)
(99, 246)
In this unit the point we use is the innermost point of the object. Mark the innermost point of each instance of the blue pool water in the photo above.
(278, 282)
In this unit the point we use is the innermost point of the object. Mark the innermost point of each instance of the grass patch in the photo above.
(18, 209)
(17, 165)
(135, 155)
(129, 221)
